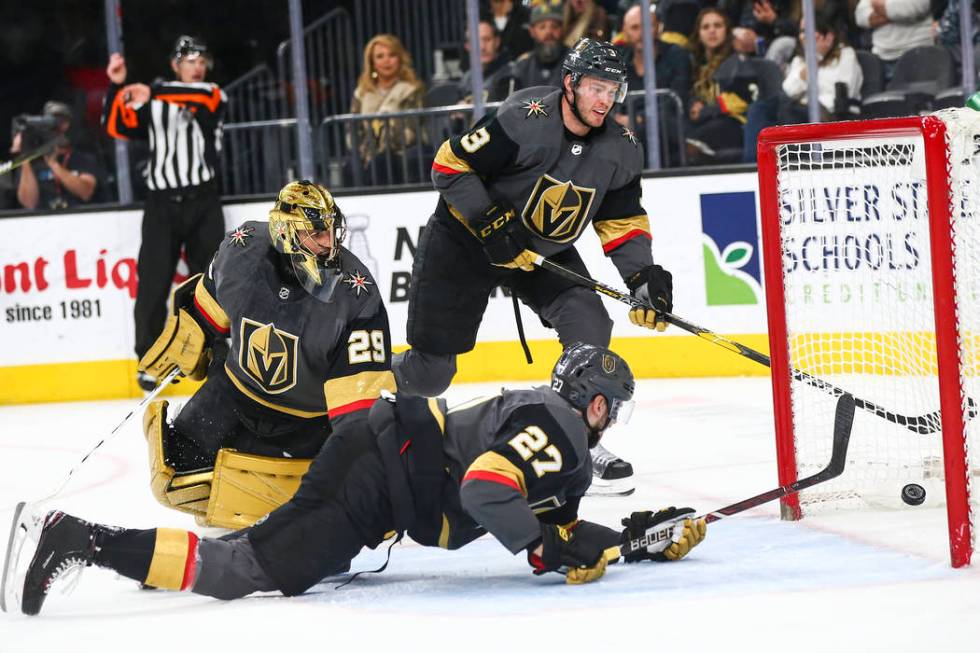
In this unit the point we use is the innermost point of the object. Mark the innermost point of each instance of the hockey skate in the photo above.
(25, 529)
(65, 547)
(611, 475)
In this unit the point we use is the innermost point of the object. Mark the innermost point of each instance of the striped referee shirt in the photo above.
(182, 123)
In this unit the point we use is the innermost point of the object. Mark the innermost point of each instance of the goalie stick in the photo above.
(921, 424)
(660, 539)
(26, 514)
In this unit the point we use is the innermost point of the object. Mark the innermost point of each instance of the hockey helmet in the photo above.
(189, 47)
(301, 209)
(584, 371)
(599, 59)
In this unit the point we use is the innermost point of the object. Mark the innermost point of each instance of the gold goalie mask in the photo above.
(303, 213)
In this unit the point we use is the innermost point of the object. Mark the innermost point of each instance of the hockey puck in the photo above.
(913, 494)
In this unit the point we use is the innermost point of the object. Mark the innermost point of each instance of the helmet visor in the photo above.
(612, 91)
(620, 411)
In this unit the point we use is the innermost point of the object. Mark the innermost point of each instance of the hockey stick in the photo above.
(922, 424)
(167, 380)
(13, 164)
(843, 421)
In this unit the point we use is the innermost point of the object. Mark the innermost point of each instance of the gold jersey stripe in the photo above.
(357, 387)
(437, 413)
(210, 306)
(494, 463)
(444, 533)
(446, 157)
(169, 559)
(268, 404)
(611, 230)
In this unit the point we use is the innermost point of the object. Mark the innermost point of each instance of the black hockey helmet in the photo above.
(596, 59)
(584, 371)
(189, 47)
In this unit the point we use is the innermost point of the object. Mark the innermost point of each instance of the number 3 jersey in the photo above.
(557, 181)
(291, 352)
(518, 457)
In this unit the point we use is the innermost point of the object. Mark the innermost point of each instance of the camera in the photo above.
(37, 131)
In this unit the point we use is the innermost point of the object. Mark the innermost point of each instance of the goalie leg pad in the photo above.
(185, 492)
(181, 344)
(248, 486)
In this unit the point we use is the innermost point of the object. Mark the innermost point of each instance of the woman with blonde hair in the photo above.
(387, 84)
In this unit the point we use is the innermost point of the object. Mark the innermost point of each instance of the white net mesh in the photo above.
(859, 305)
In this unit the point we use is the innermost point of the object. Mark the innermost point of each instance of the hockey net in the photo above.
(872, 254)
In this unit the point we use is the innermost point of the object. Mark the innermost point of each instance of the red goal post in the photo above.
(871, 256)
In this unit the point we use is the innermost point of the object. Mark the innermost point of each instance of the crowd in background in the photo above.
(734, 67)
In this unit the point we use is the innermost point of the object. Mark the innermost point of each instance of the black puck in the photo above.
(913, 494)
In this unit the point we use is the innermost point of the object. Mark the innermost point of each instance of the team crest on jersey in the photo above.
(557, 210)
(357, 282)
(576, 149)
(268, 355)
(241, 235)
(535, 108)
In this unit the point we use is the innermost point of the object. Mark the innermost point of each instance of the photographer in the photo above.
(63, 177)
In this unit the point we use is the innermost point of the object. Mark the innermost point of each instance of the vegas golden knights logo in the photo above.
(268, 355)
(608, 364)
(557, 210)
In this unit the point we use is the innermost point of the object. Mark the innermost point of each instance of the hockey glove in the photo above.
(182, 344)
(655, 286)
(505, 240)
(668, 534)
(582, 560)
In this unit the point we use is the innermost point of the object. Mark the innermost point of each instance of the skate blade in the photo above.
(24, 528)
(622, 487)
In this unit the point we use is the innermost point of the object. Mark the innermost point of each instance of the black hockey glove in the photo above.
(505, 239)
(582, 559)
(668, 534)
(655, 286)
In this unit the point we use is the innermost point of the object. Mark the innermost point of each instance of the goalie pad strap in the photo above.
(174, 561)
(248, 486)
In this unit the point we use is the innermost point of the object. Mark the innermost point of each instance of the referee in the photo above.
(181, 120)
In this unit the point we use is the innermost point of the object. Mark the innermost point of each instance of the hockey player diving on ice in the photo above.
(515, 465)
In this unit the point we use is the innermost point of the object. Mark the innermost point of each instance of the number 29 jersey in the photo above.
(291, 352)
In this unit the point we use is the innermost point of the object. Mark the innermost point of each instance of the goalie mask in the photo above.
(303, 215)
(584, 371)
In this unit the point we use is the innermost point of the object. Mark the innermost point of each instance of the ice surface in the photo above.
(870, 581)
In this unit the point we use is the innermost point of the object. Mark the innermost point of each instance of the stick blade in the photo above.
(843, 423)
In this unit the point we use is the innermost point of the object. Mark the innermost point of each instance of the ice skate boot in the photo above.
(611, 475)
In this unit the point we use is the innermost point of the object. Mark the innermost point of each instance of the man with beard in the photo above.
(542, 65)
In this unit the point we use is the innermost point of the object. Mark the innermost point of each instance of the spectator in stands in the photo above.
(770, 29)
(585, 18)
(542, 65)
(677, 19)
(511, 19)
(387, 84)
(62, 178)
(716, 111)
(949, 30)
(897, 27)
(497, 75)
(837, 65)
(672, 62)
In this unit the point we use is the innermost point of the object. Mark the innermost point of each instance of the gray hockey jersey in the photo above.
(557, 181)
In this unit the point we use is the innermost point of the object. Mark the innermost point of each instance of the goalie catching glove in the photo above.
(504, 239)
(655, 286)
(182, 343)
(581, 559)
(666, 535)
